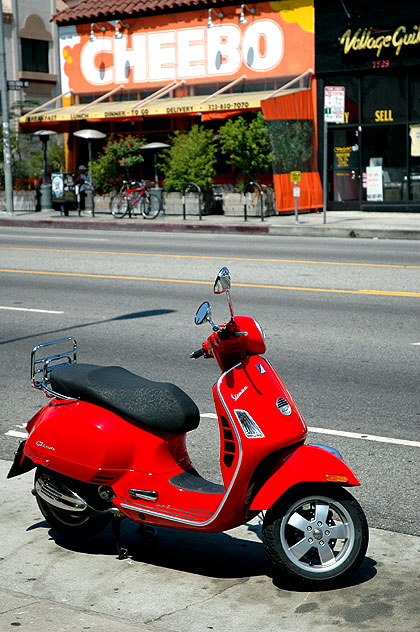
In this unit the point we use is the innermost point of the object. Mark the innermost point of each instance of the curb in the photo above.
(352, 233)
(267, 228)
(87, 224)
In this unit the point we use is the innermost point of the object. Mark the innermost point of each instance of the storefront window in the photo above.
(384, 99)
(415, 99)
(414, 184)
(384, 164)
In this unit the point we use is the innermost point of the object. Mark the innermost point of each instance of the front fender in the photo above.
(306, 464)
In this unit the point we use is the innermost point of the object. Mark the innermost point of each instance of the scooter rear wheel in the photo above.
(315, 535)
(68, 523)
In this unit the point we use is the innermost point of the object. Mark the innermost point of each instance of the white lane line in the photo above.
(415, 343)
(351, 435)
(366, 437)
(30, 309)
(327, 431)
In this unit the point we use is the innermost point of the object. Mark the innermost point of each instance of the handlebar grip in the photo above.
(197, 354)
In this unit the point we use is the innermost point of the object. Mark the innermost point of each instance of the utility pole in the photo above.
(7, 157)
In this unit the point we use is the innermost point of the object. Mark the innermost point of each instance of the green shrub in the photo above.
(27, 157)
(292, 145)
(191, 158)
(246, 146)
(119, 161)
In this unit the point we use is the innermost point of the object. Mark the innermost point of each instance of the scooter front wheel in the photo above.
(74, 524)
(315, 535)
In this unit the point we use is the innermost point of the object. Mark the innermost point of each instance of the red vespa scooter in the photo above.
(111, 444)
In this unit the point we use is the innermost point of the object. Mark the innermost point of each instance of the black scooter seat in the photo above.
(159, 405)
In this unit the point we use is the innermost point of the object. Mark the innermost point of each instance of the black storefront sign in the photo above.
(381, 47)
(373, 51)
(364, 38)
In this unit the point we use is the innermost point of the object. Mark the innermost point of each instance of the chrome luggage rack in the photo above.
(41, 367)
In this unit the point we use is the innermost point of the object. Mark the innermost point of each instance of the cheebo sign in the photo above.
(272, 42)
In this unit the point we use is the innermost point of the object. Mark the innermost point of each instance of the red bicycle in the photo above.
(135, 199)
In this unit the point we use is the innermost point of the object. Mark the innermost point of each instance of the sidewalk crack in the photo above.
(199, 601)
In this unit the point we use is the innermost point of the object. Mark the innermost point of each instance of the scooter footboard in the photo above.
(307, 464)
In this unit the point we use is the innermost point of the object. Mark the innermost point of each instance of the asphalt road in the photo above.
(341, 319)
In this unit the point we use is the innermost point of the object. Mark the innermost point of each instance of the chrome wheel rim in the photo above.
(317, 534)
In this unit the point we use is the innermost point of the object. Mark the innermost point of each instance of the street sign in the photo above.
(295, 176)
(334, 104)
(17, 84)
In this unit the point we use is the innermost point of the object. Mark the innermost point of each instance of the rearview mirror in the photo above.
(203, 313)
(222, 283)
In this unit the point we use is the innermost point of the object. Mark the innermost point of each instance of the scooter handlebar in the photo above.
(197, 354)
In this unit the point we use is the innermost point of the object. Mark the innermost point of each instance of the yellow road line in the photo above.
(259, 259)
(250, 285)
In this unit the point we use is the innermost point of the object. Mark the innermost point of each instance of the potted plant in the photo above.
(119, 161)
(246, 146)
(190, 159)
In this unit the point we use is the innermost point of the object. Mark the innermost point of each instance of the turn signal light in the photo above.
(336, 478)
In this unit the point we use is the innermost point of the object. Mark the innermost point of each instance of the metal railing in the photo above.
(259, 187)
(184, 206)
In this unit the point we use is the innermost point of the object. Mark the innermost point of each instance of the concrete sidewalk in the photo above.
(186, 581)
(353, 224)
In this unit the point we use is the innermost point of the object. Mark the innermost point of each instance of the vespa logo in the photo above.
(41, 444)
(237, 396)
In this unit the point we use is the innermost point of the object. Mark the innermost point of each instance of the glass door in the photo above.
(344, 167)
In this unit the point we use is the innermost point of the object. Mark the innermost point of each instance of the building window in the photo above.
(384, 98)
(34, 55)
(34, 44)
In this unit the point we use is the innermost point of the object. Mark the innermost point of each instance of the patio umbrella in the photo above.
(89, 135)
(155, 148)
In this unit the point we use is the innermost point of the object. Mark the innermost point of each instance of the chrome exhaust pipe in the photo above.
(55, 493)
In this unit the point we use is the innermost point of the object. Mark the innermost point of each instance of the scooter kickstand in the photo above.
(148, 533)
(116, 528)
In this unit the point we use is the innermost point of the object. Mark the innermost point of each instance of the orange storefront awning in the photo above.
(290, 119)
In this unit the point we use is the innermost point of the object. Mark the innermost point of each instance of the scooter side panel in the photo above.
(90, 443)
(305, 464)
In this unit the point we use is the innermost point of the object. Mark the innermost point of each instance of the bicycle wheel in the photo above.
(119, 205)
(150, 206)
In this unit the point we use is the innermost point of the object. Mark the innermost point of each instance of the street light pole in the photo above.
(7, 157)
(46, 192)
(44, 140)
